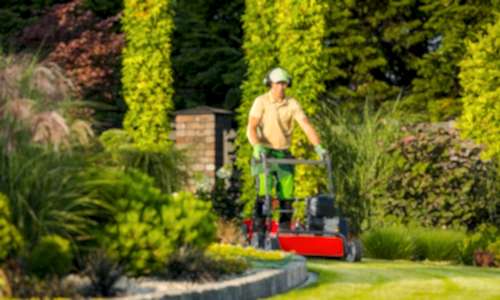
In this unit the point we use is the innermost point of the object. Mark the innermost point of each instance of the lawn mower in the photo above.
(323, 233)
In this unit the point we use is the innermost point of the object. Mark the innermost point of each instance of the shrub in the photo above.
(494, 248)
(437, 244)
(480, 78)
(390, 242)
(146, 73)
(479, 240)
(195, 265)
(163, 162)
(88, 48)
(52, 255)
(440, 180)
(146, 226)
(10, 239)
(357, 142)
(103, 273)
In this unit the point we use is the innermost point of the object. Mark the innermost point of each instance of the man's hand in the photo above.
(258, 149)
(322, 152)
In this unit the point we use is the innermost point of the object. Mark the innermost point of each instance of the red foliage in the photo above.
(87, 47)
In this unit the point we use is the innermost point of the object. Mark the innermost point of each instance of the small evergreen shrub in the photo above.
(391, 242)
(437, 244)
(52, 255)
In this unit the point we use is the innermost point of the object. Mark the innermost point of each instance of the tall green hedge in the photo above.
(147, 75)
(261, 55)
(288, 33)
(480, 78)
(301, 37)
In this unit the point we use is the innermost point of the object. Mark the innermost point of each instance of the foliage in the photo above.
(440, 180)
(15, 14)
(437, 244)
(147, 75)
(249, 253)
(52, 255)
(44, 189)
(289, 34)
(480, 79)
(103, 274)
(36, 97)
(104, 8)
(146, 226)
(88, 48)
(357, 144)
(479, 240)
(377, 50)
(24, 285)
(388, 242)
(163, 162)
(260, 56)
(10, 239)
(207, 59)
(194, 265)
(494, 248)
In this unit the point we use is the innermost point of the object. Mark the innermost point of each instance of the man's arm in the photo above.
(309, 130)
(253, 122)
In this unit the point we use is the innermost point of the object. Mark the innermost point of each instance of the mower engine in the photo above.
(322, 217)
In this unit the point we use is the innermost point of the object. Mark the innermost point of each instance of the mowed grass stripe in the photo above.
(379, 279)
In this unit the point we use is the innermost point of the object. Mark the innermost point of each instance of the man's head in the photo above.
(278, 80)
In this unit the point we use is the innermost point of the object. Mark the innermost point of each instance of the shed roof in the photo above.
(203, 110)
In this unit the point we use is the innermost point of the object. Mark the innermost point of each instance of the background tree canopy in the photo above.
(207, 58)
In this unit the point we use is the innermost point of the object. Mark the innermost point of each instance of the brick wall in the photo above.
(205, 134)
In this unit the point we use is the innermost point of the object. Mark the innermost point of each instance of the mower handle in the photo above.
(292, 161)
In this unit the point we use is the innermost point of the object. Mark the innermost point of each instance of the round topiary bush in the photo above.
(52, 255)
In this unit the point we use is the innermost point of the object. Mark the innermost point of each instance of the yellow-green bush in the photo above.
(10, 239)
(290, 34)
(52, 255)
(148, 226)
(147, 73)
(480, 79)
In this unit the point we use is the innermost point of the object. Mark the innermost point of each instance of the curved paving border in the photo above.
(264, 283)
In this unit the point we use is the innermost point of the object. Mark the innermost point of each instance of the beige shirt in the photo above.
(276, 120)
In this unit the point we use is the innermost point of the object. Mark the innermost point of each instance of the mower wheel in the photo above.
(354, 250)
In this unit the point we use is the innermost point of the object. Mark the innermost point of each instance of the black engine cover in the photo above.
(321, 206)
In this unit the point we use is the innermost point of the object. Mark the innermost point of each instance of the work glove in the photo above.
(257, 151)
(322, 152)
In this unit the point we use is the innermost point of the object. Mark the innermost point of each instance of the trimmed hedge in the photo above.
(480, 79)
(147, 73)
(289, 34)
(440, 180)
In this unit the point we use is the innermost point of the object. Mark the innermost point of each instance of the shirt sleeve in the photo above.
(257, 108)
(298, 113)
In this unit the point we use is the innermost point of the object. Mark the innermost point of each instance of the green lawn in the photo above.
(380, 279)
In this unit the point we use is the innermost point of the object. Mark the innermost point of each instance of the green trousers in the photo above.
(280, 179)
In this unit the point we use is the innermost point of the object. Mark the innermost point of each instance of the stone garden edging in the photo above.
(263, 283)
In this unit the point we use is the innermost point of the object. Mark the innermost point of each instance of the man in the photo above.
(269, 130)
